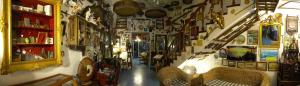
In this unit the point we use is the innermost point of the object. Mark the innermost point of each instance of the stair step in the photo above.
(234, 5)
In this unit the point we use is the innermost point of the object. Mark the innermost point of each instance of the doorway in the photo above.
(141, 49)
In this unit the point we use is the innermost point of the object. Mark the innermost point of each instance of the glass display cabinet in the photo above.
(32, 37)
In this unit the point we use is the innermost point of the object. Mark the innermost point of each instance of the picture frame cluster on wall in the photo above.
(252, 65)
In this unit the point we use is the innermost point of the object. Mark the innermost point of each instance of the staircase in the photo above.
(238, 18)
(267, 5)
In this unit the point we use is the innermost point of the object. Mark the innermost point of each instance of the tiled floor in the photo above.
(139, 75)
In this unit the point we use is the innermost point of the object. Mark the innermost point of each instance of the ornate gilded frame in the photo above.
(263, 38)
(7, 65)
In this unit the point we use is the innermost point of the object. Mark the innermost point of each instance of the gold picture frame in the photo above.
(250, 65)
(72, 31)
(269, 35)
(231, 63)
(240, 64)
(224, 62)
(261, 66)
(273, 66)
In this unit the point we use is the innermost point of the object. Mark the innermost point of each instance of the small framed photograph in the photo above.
(250, 65)
(240, 64)
(273, 66)
(224, 62)
(231, 63)
(252, 37)
(261, 66)
(41, 38)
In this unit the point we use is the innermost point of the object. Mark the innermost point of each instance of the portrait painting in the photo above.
(269, 35)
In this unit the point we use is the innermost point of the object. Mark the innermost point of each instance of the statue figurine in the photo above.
(294, 44)
(292, 52)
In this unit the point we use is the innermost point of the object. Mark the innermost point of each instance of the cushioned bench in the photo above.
(227, 76)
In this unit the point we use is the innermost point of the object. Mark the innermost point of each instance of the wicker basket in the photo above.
(126, 8)
(155, 13)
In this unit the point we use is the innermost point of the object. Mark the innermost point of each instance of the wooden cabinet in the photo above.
(288, 74)
(32, 34)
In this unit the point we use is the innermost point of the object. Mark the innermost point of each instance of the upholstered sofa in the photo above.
(173, 76)
(227, 76)
(219, 76)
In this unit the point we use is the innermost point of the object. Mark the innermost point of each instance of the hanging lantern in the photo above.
(126, 8)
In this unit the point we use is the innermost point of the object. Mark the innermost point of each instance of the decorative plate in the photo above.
(240, 39)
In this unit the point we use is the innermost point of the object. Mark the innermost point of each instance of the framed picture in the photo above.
(224, 62)
(261, 66)
(252, 37)
(160, 42)
(269, 35)
(273, 66)
(250, 65)
(223, 53)
(241, 53)
(291, 25)
(269, 55)
(159, 23)
(72, 31)
(231, 63)
(240, 64)
(42, 36)
(121, 23)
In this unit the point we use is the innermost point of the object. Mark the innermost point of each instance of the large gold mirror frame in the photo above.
(7, 65)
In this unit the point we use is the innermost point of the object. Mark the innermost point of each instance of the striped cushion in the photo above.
(223, 83)
(178, 82)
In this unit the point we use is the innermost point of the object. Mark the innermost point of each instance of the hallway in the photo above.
(140, 75)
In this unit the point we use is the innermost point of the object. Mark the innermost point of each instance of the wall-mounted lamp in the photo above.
(190, 69)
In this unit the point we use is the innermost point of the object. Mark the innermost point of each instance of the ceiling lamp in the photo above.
(126, 8)
(155, 13)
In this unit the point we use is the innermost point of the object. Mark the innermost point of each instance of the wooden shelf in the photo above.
(31, 28)
(32, 13)
(33, 61)
(23, 44)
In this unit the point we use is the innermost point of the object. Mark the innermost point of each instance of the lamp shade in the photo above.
(126, 8)
(189, 69)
